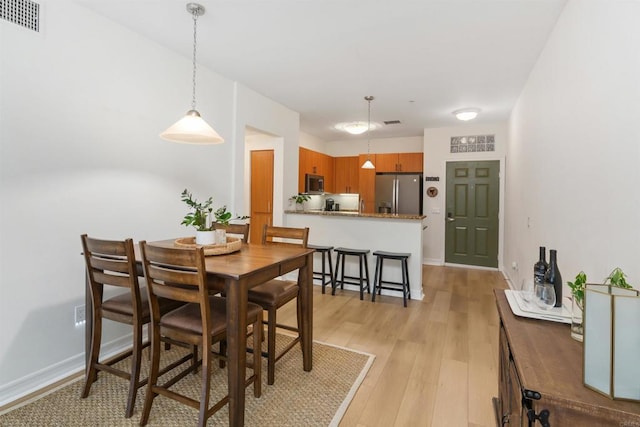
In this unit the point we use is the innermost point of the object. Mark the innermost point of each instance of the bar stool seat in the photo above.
(325, 252)
(341, 278)
(379, 283)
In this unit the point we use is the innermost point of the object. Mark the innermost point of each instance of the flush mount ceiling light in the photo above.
(192, 129)
(466, 114)
(368, 164)
(356, 128)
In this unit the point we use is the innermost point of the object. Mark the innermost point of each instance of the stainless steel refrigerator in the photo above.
(399, 193)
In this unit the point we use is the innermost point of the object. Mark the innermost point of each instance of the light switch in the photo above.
(435, 210)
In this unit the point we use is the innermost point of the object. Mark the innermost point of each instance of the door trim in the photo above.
(443, 207)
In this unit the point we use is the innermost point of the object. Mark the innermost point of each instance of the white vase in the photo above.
(205, 237)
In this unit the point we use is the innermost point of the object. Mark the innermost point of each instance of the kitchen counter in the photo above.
(376, 232)
(356, 214)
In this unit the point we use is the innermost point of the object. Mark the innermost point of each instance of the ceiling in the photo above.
(420, 59)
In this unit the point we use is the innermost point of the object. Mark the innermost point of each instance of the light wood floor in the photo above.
(436, 361)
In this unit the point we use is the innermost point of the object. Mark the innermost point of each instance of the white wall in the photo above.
(81, 109)
(437, 143)
(574, 147)
(354, 147)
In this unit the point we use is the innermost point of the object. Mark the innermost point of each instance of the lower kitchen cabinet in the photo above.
(540, 378)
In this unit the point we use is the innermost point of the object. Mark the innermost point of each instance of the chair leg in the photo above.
(335, 278)
(405, 269)
(257, 356)
(366, 272)
(136, 357)
(153, 375)
(324, 284)
(331, 277)
(205, 390)
(91, 373)
(361, 280)
(271, 346)
(375, 280)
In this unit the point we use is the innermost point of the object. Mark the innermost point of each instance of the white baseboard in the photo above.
(58, 371)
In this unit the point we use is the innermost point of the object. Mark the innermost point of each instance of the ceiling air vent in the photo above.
(392, 122)
(25, 13)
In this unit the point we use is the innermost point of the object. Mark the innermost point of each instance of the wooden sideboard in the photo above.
(541, 370)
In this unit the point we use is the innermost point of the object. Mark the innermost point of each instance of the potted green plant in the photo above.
(299, 200)
(615, 278)
(203, 218)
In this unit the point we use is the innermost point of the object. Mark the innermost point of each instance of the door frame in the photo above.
(501, 185)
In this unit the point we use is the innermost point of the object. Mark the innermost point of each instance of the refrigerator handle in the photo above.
(396, 190)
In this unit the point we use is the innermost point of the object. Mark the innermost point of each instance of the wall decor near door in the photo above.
(473, 143)
(472, 203)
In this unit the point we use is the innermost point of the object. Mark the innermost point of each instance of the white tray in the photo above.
(522, 308)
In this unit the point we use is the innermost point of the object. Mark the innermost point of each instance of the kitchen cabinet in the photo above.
(399, 162)
(347, 171)
(367, 184)
(315, 163)
(540, 378)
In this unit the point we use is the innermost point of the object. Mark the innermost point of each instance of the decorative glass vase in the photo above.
(577, 320)
(299, 207)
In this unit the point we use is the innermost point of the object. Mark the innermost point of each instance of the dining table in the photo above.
(235, 273)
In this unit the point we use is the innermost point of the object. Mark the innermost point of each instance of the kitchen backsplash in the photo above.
(347, 202)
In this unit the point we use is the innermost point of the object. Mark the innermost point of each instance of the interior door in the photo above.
(261, 193)
(473, 195)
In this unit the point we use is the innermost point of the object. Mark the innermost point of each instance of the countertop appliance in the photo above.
(313, 184)
(329, 204)
(399, 193)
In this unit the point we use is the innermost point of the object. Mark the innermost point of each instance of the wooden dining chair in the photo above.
(180, 274)
(111, 264)
(240, 230)
(275, 293)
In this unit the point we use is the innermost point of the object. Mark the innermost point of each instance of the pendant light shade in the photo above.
(368, 164)
(192, 129)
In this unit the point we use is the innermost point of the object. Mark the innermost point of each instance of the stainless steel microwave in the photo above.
(314, 184)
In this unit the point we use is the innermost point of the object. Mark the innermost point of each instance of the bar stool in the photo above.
(325, 252)
(362, 259)
(378, 283)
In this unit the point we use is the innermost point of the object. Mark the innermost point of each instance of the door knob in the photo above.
(450, 217)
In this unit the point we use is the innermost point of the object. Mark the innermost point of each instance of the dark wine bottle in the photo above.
(553, 276)
(540, 268)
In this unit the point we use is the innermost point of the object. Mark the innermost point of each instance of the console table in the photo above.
(540, 380)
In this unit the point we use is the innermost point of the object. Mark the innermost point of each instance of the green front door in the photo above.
(471, 231)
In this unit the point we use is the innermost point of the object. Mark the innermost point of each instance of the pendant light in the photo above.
(192, 129)
(368, 164)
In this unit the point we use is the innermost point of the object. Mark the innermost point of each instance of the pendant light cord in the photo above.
(369, 131)
(195, 24)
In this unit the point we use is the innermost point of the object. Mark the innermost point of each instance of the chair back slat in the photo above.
(115, 264)
(240, 230)
(111, 279)
(289, 236)
(177, 274)
(110, 262)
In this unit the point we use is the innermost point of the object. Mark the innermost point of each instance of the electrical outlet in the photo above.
(80, 315)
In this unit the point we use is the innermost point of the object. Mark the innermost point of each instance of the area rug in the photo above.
(316, 398)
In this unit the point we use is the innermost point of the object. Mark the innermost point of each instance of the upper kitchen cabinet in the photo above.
(399, 162)
(367, 184)
(314, 163)
(347, 174)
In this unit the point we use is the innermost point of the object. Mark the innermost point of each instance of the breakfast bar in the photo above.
(373, 231)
